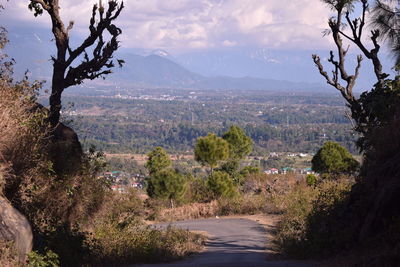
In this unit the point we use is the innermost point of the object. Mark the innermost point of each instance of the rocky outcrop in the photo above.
(14, 227)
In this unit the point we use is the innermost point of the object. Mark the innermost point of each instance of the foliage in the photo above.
(333, 159)
(313, 219)
(137, 243)
(158, 160)
(199, 191)
(50, 259)
(136, 129)
(240, 145)
(311, 180)
(8, 255)
(210, 150)
(167, 184)
(221, 184)
(119, 236)
(386, 18)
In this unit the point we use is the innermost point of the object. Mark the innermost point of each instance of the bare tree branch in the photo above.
(101, 60)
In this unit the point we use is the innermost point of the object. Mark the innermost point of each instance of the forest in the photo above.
(276, 122)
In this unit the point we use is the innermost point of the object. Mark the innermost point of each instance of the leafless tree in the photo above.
(66, 72)
(342, 26)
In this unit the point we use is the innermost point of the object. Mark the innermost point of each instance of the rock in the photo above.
(15, 227)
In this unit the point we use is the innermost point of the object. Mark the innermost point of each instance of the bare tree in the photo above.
(99, 64)
(342, 26)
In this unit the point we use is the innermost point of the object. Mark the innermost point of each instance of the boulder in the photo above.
(14, 227)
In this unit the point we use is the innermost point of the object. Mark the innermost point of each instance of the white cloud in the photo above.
(198, 24)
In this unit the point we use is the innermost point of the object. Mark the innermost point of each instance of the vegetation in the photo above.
(334, 159)
(210, 150)
(138, 128)
(339, 216)
(167, 184)
(240, 145)
(158, 160)
(221, 184)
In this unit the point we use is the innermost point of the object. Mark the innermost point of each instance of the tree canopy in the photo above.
(210, 150)
(167, 184)
(221, 184)
(240, 145)
(158, 160)
(333, 159)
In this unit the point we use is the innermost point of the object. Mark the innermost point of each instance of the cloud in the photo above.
(181, 25)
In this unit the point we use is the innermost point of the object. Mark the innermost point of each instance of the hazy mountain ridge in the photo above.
(154, 69)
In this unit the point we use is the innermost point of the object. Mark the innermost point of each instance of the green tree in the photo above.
(158, 160)
(167, 184)
(210, 150)
(386, 18)
(333, 159)
(240, 145)
(221, 184)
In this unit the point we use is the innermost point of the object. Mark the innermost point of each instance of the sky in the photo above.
(180, 26)
(271, 39)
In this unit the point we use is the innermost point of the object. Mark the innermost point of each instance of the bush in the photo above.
(334, 159)
(136, 243)
(314, 222)
(311, 179)
(50, 259)
(221, 184)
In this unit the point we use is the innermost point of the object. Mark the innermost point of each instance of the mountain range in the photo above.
(244, 69)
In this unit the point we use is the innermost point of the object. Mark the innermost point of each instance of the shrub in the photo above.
(50, 259)
(221, 184)
(314, 221)
(334, 159)
(311, 179)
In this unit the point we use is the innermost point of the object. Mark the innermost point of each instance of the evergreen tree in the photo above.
(210, 150)
(221, 184)
(167, 184)
(240, 145)
(158, 160)
(333, 159)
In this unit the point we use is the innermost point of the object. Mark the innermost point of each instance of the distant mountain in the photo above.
(159, 69)
(153, 71)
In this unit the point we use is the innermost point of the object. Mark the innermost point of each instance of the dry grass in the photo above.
(8, 256)
(190, 211)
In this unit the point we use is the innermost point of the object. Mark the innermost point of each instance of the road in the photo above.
(233, 242)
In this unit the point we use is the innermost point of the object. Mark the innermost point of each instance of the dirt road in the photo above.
(232, 242)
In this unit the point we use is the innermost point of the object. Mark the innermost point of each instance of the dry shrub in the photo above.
(189, 211)
(8, 255)
(119, 235)
(248, 204)
(54, 203)
(313, 219)
(138, 243)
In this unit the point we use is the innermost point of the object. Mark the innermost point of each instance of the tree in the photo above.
(210, 150)
(167, 184)
(221, 184)
(240, 145)
(376, 117)
(158, 160)
(386, 18)
(99, 64)
(333, 159)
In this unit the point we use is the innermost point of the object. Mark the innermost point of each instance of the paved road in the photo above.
(232, 242)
